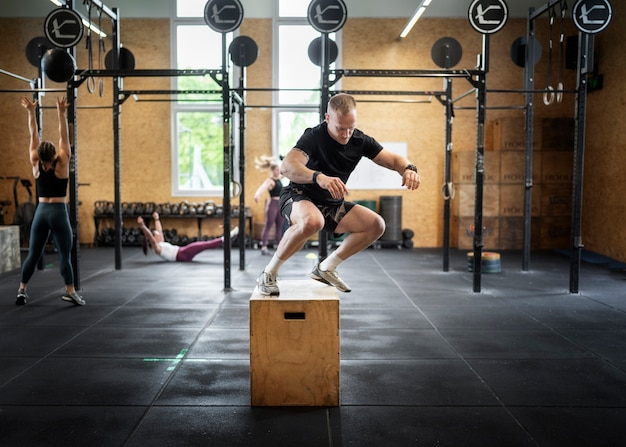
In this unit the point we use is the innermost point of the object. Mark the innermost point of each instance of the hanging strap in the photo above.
(91, 82)
(559, 87)
(100, 54)
(548, 95)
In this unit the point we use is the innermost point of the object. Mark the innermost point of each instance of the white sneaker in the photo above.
(266, 283)
(330, 277)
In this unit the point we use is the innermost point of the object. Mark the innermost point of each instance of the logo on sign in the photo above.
(592, 16)
(488, 16)
(63, 27)
(327, 16)
(223, 16)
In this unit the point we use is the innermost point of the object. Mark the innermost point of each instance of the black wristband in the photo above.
(315, 174)
(411, 167)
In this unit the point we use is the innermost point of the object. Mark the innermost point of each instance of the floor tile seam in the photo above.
(469, 406)
(470, 358)
(147, 326)
(174, 370)
(476, 374)
(596, 355)
(573, 342)
(57, 348)
(617, 309)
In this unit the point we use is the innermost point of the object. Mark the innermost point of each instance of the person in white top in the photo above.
(174, 253)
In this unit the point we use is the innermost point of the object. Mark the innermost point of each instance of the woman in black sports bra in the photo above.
(51, 171)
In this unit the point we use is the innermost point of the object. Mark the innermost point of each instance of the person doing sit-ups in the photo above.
(155, 240)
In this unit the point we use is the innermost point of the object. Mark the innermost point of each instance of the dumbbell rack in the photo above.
(103, 210)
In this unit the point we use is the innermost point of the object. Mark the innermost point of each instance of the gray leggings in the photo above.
(50, 218)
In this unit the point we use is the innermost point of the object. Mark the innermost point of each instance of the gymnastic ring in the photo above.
(447, 190)
(559, 92)
(548, 95)
(235, 190)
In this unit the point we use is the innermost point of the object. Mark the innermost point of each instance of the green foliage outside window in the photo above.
(200, 137)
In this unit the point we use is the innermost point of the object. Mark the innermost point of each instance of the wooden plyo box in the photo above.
(294, 346)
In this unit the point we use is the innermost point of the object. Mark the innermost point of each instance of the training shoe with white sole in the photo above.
(22, 297)
(73, 298)
(266, 283)
(330, 277)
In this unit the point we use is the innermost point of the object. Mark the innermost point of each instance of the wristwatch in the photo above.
(315, 174)
(411, 166)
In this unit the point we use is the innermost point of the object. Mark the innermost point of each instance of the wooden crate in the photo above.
(513, 167)
(465, 197)
(464, 167)
(512, 200)
(462, 233)
(512, 233)
(556, 199)
(557, 167)
(509, 134)
(556, 232)
(294, 346)
(558, 134)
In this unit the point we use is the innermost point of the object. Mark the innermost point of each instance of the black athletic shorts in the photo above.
(332, 213)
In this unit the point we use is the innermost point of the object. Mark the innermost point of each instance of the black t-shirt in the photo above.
(333, 159)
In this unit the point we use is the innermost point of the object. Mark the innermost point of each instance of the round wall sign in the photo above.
(488, 16)
(592, 16)
(63, 27)
(223, 16)
(327, 16)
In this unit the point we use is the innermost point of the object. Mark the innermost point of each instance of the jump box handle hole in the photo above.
(295, 315)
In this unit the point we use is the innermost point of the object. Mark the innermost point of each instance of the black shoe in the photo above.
(21, 297)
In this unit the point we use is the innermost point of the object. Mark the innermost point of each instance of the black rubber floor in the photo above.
(159, 356)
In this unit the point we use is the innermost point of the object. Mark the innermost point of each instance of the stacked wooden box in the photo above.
(504, 187)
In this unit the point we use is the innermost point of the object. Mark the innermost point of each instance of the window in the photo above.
(296, 76)
(197, 135)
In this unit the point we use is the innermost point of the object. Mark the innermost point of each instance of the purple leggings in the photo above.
(273, 218)
(189, 251)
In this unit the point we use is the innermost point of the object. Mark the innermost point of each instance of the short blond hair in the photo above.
(342, 103)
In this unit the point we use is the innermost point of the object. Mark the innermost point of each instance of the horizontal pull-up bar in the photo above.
(33, 90)
(531, 91)
(170, 92)
(262, 89)
(175, 100)
(148, 73)
(398, 101)
(260, 106)
(409, 73)
(491, 108)
(390, 92)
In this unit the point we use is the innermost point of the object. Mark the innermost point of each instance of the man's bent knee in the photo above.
(311, 225)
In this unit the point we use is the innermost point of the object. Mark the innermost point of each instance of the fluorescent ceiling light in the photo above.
(418, 13)
(93, 28)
